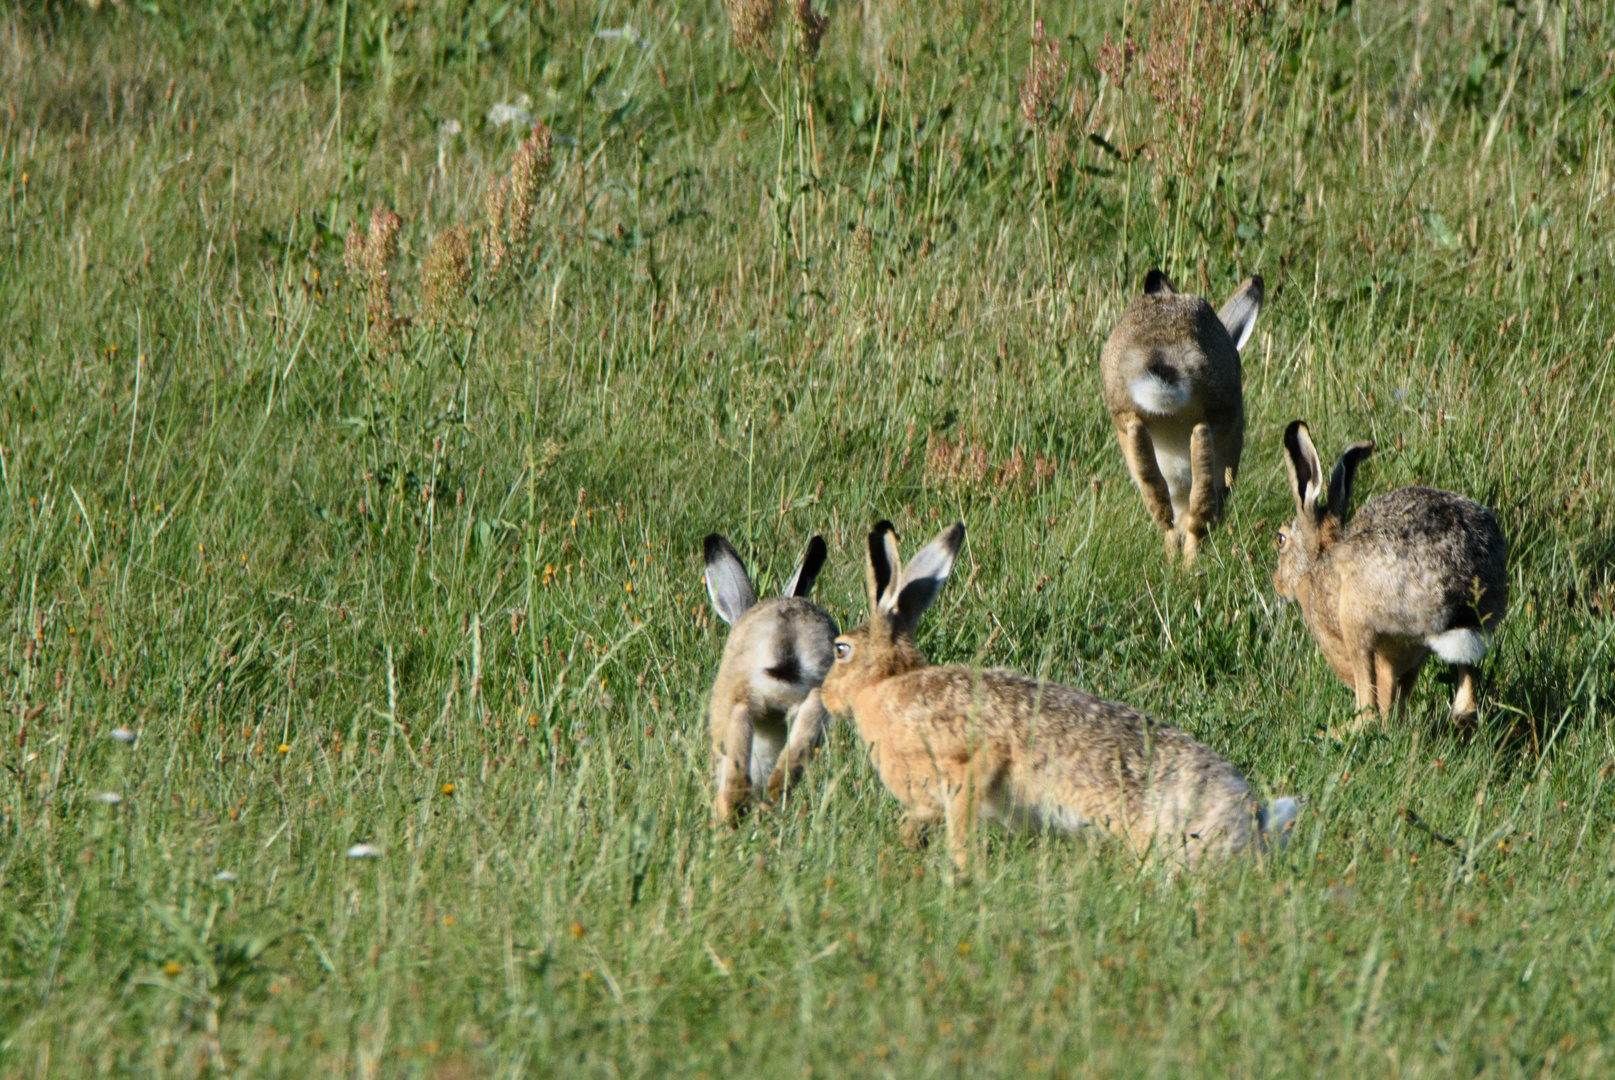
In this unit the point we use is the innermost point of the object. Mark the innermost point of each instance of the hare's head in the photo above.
(1316, 525)
(883, 647)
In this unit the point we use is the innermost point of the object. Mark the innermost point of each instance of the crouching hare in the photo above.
(1417, 570)
(1175, 391)
(954, 743)
(766, 717)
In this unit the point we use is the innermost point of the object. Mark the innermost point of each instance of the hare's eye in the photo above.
(843, 650)
(1283, 538)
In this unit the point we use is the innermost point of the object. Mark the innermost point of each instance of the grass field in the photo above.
(357, 559)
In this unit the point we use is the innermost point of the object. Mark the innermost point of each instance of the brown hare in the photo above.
(766, 717)
(1417, 570)
(1174, 389)
(952, 743)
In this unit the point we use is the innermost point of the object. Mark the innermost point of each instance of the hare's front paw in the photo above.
(915, 831)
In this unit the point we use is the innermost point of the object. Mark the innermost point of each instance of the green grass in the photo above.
(351, 595)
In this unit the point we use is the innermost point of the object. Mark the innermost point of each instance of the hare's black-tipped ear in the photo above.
(1306, 475)
(1238, 315)
(880, 565)
(801, 582)
(727, 583)
(1156, 281)
(1340, 480)
(923, 577)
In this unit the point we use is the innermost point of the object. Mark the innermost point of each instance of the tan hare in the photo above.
(1416, 571)
(955, 743)
(1175, 391)
(766, 718)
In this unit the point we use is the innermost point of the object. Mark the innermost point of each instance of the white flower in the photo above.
(364, 851)
(502, 114)
(111, 798)
(449, 128)
(224, 875)
(122, 734)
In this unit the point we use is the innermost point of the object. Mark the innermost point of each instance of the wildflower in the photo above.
(517, 113)
(448, 789)
(364, 851)
(172, 968)
(122, 734)
(284, 748)
(750, 24)
(111, 798)
(225, 876)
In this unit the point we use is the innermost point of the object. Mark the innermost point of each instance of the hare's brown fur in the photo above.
(955, 743)
(765, 717)
(1175, 390)
(1415, 571)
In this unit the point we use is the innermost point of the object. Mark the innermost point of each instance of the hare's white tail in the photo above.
(1276, 820)
(1459, 646)
(1160, 391)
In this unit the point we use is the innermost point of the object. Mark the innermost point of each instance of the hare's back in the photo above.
(1433, 555)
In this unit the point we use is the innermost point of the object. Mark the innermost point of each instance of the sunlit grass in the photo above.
(354, 691)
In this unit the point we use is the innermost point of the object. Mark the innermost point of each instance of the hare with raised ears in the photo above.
(766, 717)
(1175, 391)
(955, 743)
(1417, 570)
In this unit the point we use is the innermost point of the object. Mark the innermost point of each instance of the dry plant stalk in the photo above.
(968, 465)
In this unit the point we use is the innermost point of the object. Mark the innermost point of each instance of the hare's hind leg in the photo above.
(1386, 685)
(734, 767)
(806, 729)
(1139, 451)
(1205, 492)
(1465, 704)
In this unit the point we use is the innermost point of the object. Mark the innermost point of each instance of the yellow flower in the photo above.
(284, 748)
(172, 968)
(448, 789)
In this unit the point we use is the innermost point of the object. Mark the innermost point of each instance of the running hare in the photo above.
(1175, 392)
(766, 717)
(954, 742)
(1418, 570)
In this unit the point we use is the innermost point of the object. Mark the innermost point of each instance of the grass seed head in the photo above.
(751, 22)
(446, 275)
(811, 25)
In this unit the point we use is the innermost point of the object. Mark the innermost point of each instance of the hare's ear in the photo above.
(1238, 315)
(880, 564)
(727, 583)
(807, 571)
(1306, 475)
(923, 576)
(1345, 472)
(1156, 282)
